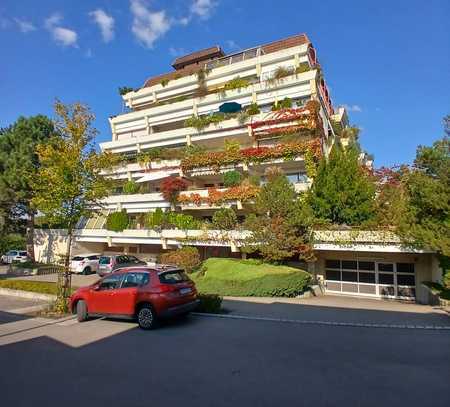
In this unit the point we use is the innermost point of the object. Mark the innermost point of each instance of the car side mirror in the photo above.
(96, 287)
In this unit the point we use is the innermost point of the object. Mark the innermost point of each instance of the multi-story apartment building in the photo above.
(207, 100)
(241, 112)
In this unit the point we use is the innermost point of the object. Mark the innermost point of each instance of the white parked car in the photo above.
(15, 256)
(85, 263)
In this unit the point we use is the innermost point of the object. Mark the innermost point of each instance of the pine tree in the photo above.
(343, 191)
(18, 165)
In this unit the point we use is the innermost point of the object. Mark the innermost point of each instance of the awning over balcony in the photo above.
(230, 107)
(156, 175)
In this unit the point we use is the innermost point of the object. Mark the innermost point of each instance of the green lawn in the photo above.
(246, 278)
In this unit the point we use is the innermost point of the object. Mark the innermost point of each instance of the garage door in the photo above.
(370, 278)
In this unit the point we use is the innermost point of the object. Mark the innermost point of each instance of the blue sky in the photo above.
(389, 61)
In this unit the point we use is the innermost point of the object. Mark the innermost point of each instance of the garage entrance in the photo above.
(371, 278)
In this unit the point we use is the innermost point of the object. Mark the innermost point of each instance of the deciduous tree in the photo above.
(69, 181)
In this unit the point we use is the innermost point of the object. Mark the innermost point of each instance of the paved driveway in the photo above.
(208, 361)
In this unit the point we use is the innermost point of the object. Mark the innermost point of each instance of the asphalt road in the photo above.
(207, 361)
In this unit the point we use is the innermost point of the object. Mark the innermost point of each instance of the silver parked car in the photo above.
(109, 263)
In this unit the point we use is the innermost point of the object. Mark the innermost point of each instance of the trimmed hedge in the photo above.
(246, 278)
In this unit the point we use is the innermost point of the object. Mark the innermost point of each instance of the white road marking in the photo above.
(329, 323)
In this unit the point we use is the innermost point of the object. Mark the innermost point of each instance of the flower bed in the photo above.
(216, 159)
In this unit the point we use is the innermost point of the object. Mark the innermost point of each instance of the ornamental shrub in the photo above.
(236, 83)
(154, 220)
(224, 219)
(171, 187)
(117, 221)
(232, 178)
(188, 258)
(209, 303)
(131, 187)
(253, 108)
(303, 67)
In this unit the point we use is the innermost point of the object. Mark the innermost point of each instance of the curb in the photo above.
(326, 323)
(27, 294)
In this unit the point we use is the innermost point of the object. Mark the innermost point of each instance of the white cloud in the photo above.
(148, 26)
(53, 20)
(352, 108)
(88, 53)
(24, 26)
(203, 8)
(105, 22)
(63, 36)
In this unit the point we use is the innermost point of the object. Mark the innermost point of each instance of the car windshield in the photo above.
(12, 253)
(173, 277)
(105, 260)
(77, 258)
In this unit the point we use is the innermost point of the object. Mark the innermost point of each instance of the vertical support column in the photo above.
(188, 139)
(254, 97)
(113, 130)
(138, 147)
(194, 107)
(313, 86)
(129, 176)
(296, 60)
(243, 256)
(154, 96)
(148, 127)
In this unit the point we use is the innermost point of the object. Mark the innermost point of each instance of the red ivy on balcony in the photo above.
(288, 151)
(242, 192)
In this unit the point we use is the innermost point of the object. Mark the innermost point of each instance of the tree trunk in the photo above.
(30, 236)
(67, 276)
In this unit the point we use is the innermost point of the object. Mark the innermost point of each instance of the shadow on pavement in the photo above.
(7, 317)
(215, 362)
(333, 314)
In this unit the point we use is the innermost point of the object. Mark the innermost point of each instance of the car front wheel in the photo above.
(82, 314)
(146, 317)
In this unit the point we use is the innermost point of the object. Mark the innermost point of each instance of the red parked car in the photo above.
(143, 293)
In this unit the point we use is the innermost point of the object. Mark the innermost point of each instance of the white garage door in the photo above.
(370, 278)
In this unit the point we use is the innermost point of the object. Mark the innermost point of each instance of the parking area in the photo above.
(213, 361)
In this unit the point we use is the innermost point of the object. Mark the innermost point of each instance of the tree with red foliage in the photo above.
(171, 187)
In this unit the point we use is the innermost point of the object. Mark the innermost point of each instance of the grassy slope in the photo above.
(249, 278)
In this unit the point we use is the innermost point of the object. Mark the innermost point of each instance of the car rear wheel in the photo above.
(82, 314)
(87, 271)
(146, 317)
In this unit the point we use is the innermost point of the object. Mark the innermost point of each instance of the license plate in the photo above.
(185, 291)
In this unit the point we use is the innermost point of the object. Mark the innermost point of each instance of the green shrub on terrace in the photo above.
(117, 221)
(224, 219)
(303, 67)
(252, 109)
(131, 187)
(236, 83)
(167, 220)
(232, 178)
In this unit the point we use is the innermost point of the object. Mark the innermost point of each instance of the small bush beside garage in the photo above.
(247, 278)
